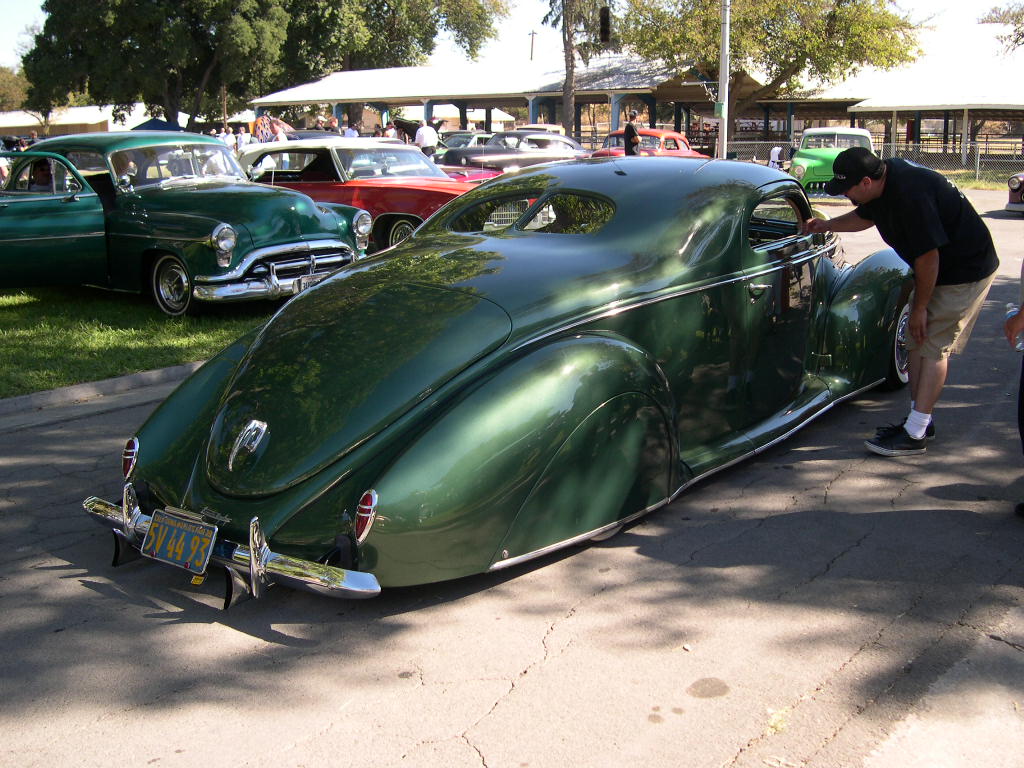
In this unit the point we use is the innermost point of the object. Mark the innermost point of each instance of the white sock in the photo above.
(917, 423)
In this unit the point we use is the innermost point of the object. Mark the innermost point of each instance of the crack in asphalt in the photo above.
(828, 566)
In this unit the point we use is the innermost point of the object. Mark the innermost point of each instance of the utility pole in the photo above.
(532, 35)
(722, 107)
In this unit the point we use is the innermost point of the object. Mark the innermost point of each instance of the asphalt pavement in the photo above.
(815, 606)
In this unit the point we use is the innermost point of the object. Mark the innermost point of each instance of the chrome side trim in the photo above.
(776, 441)
(77, 236)
(305, 246)
(258, 573)
(509, 562)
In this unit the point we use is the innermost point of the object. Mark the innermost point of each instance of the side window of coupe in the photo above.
(671, 144)
(492, 215)
(570, 215)
(774, 219)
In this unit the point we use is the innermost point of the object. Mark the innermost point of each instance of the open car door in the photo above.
(51, 224)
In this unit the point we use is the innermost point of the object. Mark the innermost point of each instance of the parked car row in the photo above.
(175, 215)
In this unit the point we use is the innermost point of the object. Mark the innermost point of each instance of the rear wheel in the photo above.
(899, 357)
(172, 286)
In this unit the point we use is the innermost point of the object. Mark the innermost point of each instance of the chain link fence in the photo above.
(992, 160)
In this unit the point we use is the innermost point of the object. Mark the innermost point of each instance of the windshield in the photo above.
(835, 141)
(387, 161)
(458, 140)
(618, 140)
(145, 166)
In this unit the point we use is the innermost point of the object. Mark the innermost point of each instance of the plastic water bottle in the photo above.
(1011, 311)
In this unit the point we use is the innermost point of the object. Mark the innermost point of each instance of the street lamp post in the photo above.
(722, 107)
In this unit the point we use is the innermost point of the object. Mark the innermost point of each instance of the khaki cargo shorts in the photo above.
(952, 312)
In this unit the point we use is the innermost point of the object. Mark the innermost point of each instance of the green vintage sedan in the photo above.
(165, 212)
(547, 358)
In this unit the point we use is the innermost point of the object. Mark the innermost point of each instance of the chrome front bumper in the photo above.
(281, 271)
(250, 569)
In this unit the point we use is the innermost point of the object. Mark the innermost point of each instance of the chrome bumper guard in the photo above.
(247, 575)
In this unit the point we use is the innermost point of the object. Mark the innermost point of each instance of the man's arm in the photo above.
(926, 271)
(848, 222)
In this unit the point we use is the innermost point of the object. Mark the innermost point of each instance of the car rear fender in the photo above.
(860, 322)
(168, 452)
(449, 500)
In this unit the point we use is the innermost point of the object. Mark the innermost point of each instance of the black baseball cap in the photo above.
(850, 166)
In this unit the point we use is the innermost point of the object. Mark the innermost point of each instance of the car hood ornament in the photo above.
(248, 440)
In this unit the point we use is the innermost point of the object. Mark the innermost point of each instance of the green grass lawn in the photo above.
(54, 337)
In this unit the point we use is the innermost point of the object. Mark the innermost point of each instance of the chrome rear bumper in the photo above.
(251, 568)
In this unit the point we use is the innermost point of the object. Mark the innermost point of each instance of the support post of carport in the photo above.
(616, 111)
(428, 111)
(577, 121)
(677, 117)
(790, 115)
(487, 119)
(533, 104)
(652, 109)
(384, 112)
(967, 136)
(767, 120)
(463, 114)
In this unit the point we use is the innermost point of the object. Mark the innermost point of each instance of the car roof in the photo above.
(836, 129)
(118, 140)
(322, 142)
(648, 132)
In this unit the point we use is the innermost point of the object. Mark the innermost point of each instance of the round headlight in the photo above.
(362, 224)
(1015, 182)
(798, 171)
(224, 237)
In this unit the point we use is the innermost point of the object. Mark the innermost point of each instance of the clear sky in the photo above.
(513, 45)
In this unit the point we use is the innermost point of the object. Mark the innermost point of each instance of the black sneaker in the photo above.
(894, 429)
(893, 442)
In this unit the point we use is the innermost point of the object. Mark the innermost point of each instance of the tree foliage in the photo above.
(781, 43)
(13, 87)
(188, 55)
(1012, 14)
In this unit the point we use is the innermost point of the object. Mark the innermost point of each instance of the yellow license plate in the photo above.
(174, 540)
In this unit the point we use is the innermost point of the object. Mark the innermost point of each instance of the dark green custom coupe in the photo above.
(167, 212)
(547, 358)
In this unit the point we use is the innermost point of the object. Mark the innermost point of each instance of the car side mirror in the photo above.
(125, 183)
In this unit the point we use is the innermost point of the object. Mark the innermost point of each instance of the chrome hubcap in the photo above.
(173, 285)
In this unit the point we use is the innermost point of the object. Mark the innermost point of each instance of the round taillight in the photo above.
(365, 513)
(128, 456)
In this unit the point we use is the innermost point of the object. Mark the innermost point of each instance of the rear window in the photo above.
(564, 214)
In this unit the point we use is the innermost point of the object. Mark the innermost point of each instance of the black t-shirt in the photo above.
(920, 210)
(630, 134)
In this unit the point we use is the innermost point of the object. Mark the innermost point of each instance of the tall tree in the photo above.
(579, 23)
(166, 53)
(13, 87)
(779, 42)
(185, 55)
(1013, 14)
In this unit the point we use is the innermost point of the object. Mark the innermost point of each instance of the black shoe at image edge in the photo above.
(893, 443)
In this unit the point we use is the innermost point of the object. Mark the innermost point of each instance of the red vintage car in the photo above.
(396, 183)
(653, 141)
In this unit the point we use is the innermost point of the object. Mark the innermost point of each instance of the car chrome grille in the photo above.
(285, 266)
